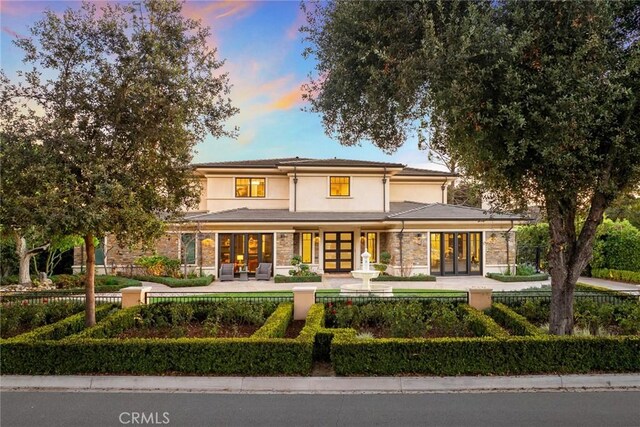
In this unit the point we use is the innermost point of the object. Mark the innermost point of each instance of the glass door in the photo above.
(449, 253)
(252, 253)
(338, 252)
(456, 253)
(461, 253)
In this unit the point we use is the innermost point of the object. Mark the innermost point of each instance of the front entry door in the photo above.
(338, 252)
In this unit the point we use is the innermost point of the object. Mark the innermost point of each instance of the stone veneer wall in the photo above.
(284, 248)
(414, 249)
(208, 249)
(496, 248)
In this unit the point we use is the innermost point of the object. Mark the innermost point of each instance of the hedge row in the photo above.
(416, 278)
(172, 282)
(65, 327)
(513, 321)
(484, 356)
(483, 325)
(83, 353)
(276, 325)
(508, 278)
(296, 279)
(619, 275)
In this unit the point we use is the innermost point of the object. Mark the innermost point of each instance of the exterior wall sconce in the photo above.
(316, 239)
(420, 237)
(208, 242)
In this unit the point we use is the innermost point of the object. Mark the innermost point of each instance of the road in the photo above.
(67, 409)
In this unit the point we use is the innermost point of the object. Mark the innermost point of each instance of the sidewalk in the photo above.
(320, 385)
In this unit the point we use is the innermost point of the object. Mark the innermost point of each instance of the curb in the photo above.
(320, 385)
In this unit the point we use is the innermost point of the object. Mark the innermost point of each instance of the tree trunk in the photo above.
(24, 258)
(90, 296)
(569, 255)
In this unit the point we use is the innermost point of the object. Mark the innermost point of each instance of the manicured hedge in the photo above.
(103, 283)
(507, 278)
(513, 321)
(296, 279)
(484, 356)
(276, 325)
(65, 327)
(619, 275)
(483, 325)
(172, 282)
(417, 278)
(224, 356)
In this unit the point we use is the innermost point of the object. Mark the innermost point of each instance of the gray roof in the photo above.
(403, 211)
(423, 172)
(297, 161)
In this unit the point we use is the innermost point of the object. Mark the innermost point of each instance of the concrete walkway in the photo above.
(320, 385)
(454, 283)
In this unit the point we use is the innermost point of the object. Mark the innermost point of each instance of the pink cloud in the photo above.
(293, 31)
(208, 10)
(12, 33)
(288, 100)
(20, 8)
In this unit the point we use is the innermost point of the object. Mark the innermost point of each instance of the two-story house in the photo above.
(328, 211)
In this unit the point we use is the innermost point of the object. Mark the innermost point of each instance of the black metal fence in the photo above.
(153, 297)
(459, 298)
(518, 297)
(44, 297)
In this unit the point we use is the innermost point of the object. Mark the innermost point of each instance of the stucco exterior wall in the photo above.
(312, 194)
(220, 193)
(416, 192)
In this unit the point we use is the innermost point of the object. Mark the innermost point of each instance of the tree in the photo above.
(626, 206)
(537, 100)
(134, 88)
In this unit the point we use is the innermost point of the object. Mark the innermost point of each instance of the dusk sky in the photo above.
(263, 51)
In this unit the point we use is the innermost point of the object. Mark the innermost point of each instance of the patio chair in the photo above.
(263, 272)
(226, 272)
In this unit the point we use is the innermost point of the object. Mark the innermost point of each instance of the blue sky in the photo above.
(263, 52)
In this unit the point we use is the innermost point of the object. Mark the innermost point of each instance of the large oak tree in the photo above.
(537, 100)
(125, 93)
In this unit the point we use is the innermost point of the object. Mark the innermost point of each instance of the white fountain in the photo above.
(366, 288)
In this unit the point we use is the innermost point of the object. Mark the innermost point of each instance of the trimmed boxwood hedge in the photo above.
(65, 327)
(513, 321)
(483, 325)
(417, 278)
(508, 278)
(296, 279)
(276, 325)
(619, 275)
(172, 282)
(484, 356)
(225, 356)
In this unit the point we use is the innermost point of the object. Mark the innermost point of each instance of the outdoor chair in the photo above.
(226, 272)
(263, 272)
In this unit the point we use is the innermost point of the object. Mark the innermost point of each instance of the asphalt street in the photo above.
(33, 409)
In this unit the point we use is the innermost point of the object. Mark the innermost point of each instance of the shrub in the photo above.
(173, 282)
(18, 317)
(617, 246)
(508, 278)
(514, 322)
(159, 265)
(525, 270)
(414, 278)
(297, 279)
(276, 325)
(529, 238)
(102, 283)
(483, 356)
(619, 275)
(482, 325)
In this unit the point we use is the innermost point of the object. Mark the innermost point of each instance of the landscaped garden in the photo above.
(433, 333)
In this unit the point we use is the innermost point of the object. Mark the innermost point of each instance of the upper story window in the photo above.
(339, 185)
(250, 187)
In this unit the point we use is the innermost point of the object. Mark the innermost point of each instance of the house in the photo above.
(328, 211)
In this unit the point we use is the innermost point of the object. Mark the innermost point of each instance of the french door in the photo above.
(456, 253)
(338, 252)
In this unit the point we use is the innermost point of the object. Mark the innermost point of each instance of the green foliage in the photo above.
(300, 269)
(508, 278)
(617, 246)
(484, 356)
(385, 257)
(20, 316)
(65, 327)
(177, 283)
(276, 325)
(414, 278)
(297, 279)
(102, 283)
(525, 270)
(528, 239)
(626, 206)
(514, 322)
(483, 325)
(619, 275)
(159, 265)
